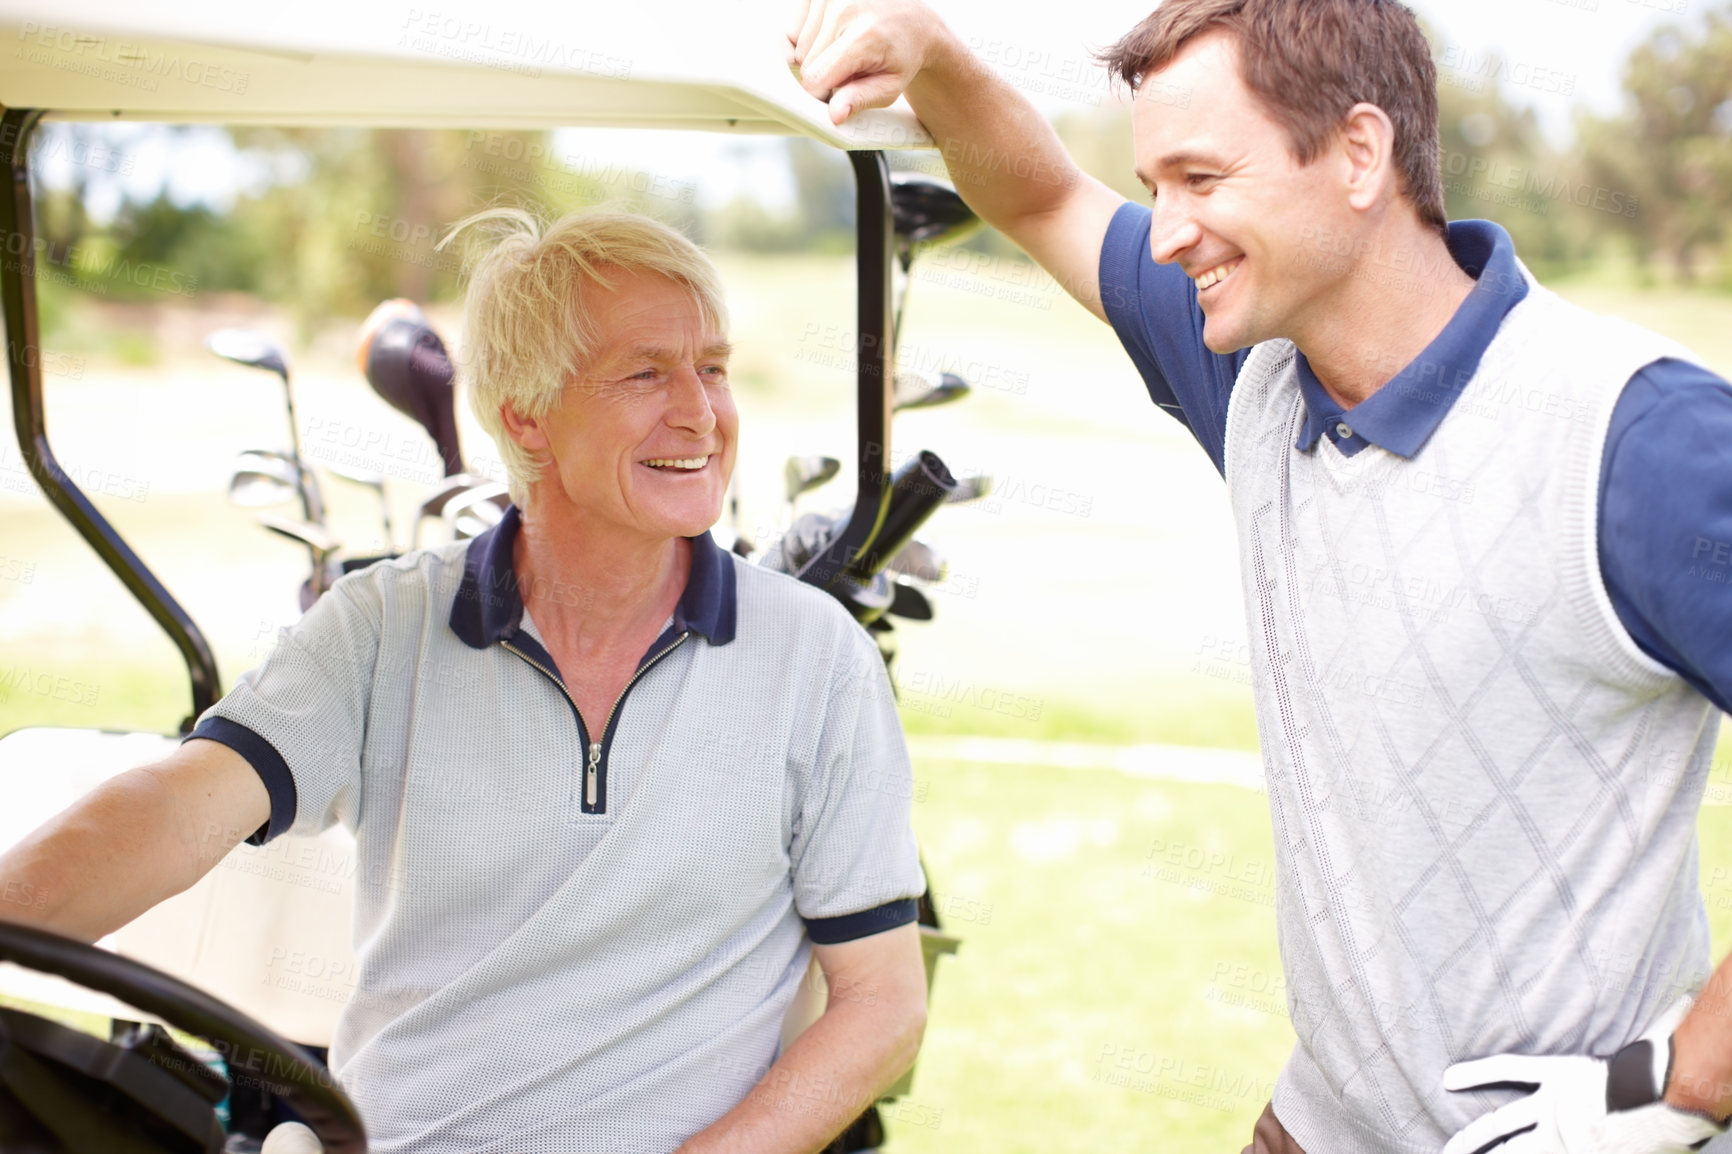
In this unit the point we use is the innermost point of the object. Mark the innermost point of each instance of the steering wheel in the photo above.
(248, 1047)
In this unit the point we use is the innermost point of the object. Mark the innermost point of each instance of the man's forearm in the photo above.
(1003, 156)
(107, 858)
(1701, 1078)
(826, 1079)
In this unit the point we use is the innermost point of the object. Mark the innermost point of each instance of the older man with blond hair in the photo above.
(611, 787)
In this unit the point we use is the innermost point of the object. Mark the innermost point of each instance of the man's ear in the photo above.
(1367, 144)
(528, 432)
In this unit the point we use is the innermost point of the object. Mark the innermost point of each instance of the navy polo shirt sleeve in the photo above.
(1665, 525)
(1153, 309)
(853, 859)
(299, 718)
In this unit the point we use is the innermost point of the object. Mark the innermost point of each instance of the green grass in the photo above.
(1171, 710)
(1074, 960)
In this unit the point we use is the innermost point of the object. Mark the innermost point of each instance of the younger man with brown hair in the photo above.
(1484, 761)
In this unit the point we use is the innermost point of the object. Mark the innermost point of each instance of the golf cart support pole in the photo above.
(874, 250)
(24, 363)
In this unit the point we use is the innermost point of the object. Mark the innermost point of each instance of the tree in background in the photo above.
(344, 217)
(1673, 146)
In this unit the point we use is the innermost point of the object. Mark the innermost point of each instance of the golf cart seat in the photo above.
(266, 931)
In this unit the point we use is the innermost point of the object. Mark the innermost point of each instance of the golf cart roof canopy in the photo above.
(716, 65)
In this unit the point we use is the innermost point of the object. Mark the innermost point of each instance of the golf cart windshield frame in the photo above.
(29, 418)
(874, 372)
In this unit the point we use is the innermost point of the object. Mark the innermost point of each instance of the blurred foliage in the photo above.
(347, 217)
(823, 216)
(351, 217)
(1673, 147)
(1656, 178)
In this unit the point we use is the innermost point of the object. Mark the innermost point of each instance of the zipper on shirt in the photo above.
(595, 766)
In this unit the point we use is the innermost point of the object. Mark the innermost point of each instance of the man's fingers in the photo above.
(1487, 1131)
(854, 56)
(878, 91)
(1505, 1069)
(818, 14)
(802, 8)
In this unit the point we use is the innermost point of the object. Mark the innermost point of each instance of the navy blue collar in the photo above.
(489, 606)
(1402, 414)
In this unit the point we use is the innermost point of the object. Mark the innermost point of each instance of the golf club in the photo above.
(474, 511)
(320, 544)
(912, 390)
(263, 477)
(405, 362)
(257, 351)
(375, 482)
(923, 208)
(803, 474)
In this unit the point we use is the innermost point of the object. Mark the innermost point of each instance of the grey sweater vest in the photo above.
(1483, 793)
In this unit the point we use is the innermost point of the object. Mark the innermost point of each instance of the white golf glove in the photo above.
(291, 1138)
(1582, 1105)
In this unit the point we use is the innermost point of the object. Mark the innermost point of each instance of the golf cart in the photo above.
(281, 913)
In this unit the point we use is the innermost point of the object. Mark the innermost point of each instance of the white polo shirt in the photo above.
(565, 941)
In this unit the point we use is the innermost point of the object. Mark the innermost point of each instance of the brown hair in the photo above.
(1310, 62)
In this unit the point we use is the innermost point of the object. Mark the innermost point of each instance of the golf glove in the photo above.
(1582, 1105)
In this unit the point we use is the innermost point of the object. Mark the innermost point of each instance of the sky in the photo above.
(1553, 55)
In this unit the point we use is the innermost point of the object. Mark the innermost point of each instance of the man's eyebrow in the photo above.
(1179, 160)
(670, 352)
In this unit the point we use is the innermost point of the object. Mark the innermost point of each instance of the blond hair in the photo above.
(526, 332)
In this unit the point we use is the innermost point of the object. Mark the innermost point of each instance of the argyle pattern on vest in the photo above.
(1483, 793)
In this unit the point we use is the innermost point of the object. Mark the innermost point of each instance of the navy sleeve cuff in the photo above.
(1154, 312)
(266, 762)
(849, 927)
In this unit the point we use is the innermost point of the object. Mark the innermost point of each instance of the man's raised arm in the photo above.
(132, 842)
(1003, 156)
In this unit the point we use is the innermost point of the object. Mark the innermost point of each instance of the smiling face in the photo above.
(1231, 205)
(642, 440)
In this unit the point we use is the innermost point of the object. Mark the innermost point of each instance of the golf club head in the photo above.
(316, 538)
(908, 601)
(449, 489)
(926, 208)
(373, 481)
(921, 562)
(803, 474)
(805, 539)
(406, 363)
(912, 390)
(251, 348)
(970, 489)
(474, 511)
(262, 477)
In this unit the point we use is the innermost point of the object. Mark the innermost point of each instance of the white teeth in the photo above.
(677, 463)
(1216, 275)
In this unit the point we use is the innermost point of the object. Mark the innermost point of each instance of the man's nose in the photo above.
(1172, 231)
(689, 402)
